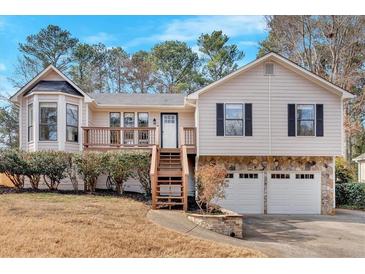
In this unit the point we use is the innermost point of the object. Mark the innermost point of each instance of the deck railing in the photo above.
(119, 137)
(188, 136)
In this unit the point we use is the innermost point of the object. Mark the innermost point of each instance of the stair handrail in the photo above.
(153, 176)
(185, 174)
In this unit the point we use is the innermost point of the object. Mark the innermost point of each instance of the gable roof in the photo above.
(134, 99)
(32, 83)
(285, 62)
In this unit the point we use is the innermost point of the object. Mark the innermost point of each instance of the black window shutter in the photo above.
(220, 119)
(291, 119)
(248, 119)
(319, 120)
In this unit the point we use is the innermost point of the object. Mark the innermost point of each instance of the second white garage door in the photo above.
(244, 193)
(294, 193)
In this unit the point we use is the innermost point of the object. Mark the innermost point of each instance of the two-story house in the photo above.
(276, 126)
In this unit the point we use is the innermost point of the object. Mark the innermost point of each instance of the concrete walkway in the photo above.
(342, 235)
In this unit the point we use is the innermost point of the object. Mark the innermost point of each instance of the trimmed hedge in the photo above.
(351, 195)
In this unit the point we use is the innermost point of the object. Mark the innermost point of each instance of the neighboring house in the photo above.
(276, 126)
(360, 160)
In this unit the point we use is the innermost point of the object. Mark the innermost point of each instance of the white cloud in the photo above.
(189, 29)
(100, 37)
(2, 67)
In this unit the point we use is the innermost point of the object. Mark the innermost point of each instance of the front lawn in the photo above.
(56, 225)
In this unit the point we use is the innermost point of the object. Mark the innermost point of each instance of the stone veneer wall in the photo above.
(229, 223)
(322, 164)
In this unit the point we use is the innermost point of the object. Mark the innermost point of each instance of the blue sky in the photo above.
(133, 33)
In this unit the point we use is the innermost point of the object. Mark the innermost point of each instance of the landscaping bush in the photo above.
(53, 167)
(344, 172)
(13, 164)
(141, 163)
(90, 166)
(71, 170)
(350, 195)
(119, 166)
(210, 182)
(33, 168)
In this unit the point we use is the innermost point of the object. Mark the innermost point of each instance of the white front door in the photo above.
(169, 130)
(294, 193)
(244, 193)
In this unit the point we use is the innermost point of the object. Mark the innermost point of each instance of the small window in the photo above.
(249, 175)
(114, 119)
(48, 121)
(142, 119)
(304, 176)
(269, 69)
(72, 123)
(30, 122)
(280, 176)
(229, 176)
(128, 119)
(234, 120)
(305, 120)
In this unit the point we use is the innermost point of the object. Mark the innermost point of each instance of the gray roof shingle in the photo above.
(55, 86)
(135, 99)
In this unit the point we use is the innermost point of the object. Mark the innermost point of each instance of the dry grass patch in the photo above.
(54, 225)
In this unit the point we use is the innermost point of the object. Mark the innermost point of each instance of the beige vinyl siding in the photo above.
(251, 87)
(283, 88)
(288, 88)
(52, 76)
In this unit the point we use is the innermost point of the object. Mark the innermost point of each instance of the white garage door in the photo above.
(294, 193)
(244, 193)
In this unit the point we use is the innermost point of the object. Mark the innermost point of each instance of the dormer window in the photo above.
(269, 68)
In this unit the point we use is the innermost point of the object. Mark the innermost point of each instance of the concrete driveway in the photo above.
(342, 235)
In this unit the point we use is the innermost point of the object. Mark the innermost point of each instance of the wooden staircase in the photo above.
(169, 184)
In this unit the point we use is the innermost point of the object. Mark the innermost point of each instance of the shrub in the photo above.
(89, 165)
(210, 181)
(71, 170)
(13, 164)
(33, 169)
(53, 167)
(344, 172)
(141, 162)
(351, 194)
(119, 166)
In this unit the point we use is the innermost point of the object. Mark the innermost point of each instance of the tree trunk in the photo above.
(118, 188)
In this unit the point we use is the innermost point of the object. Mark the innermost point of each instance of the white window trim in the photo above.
(314, 123)
(78, 124)
(39, 119)
(243, 120)
(30, 104)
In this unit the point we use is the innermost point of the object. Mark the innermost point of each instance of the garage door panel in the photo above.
(244, 195)
(294, 193)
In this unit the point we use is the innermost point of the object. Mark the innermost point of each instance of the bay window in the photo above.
(30, 123)
(48, 121)
(72, 123)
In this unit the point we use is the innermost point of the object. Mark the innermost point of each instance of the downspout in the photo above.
(270, 141)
